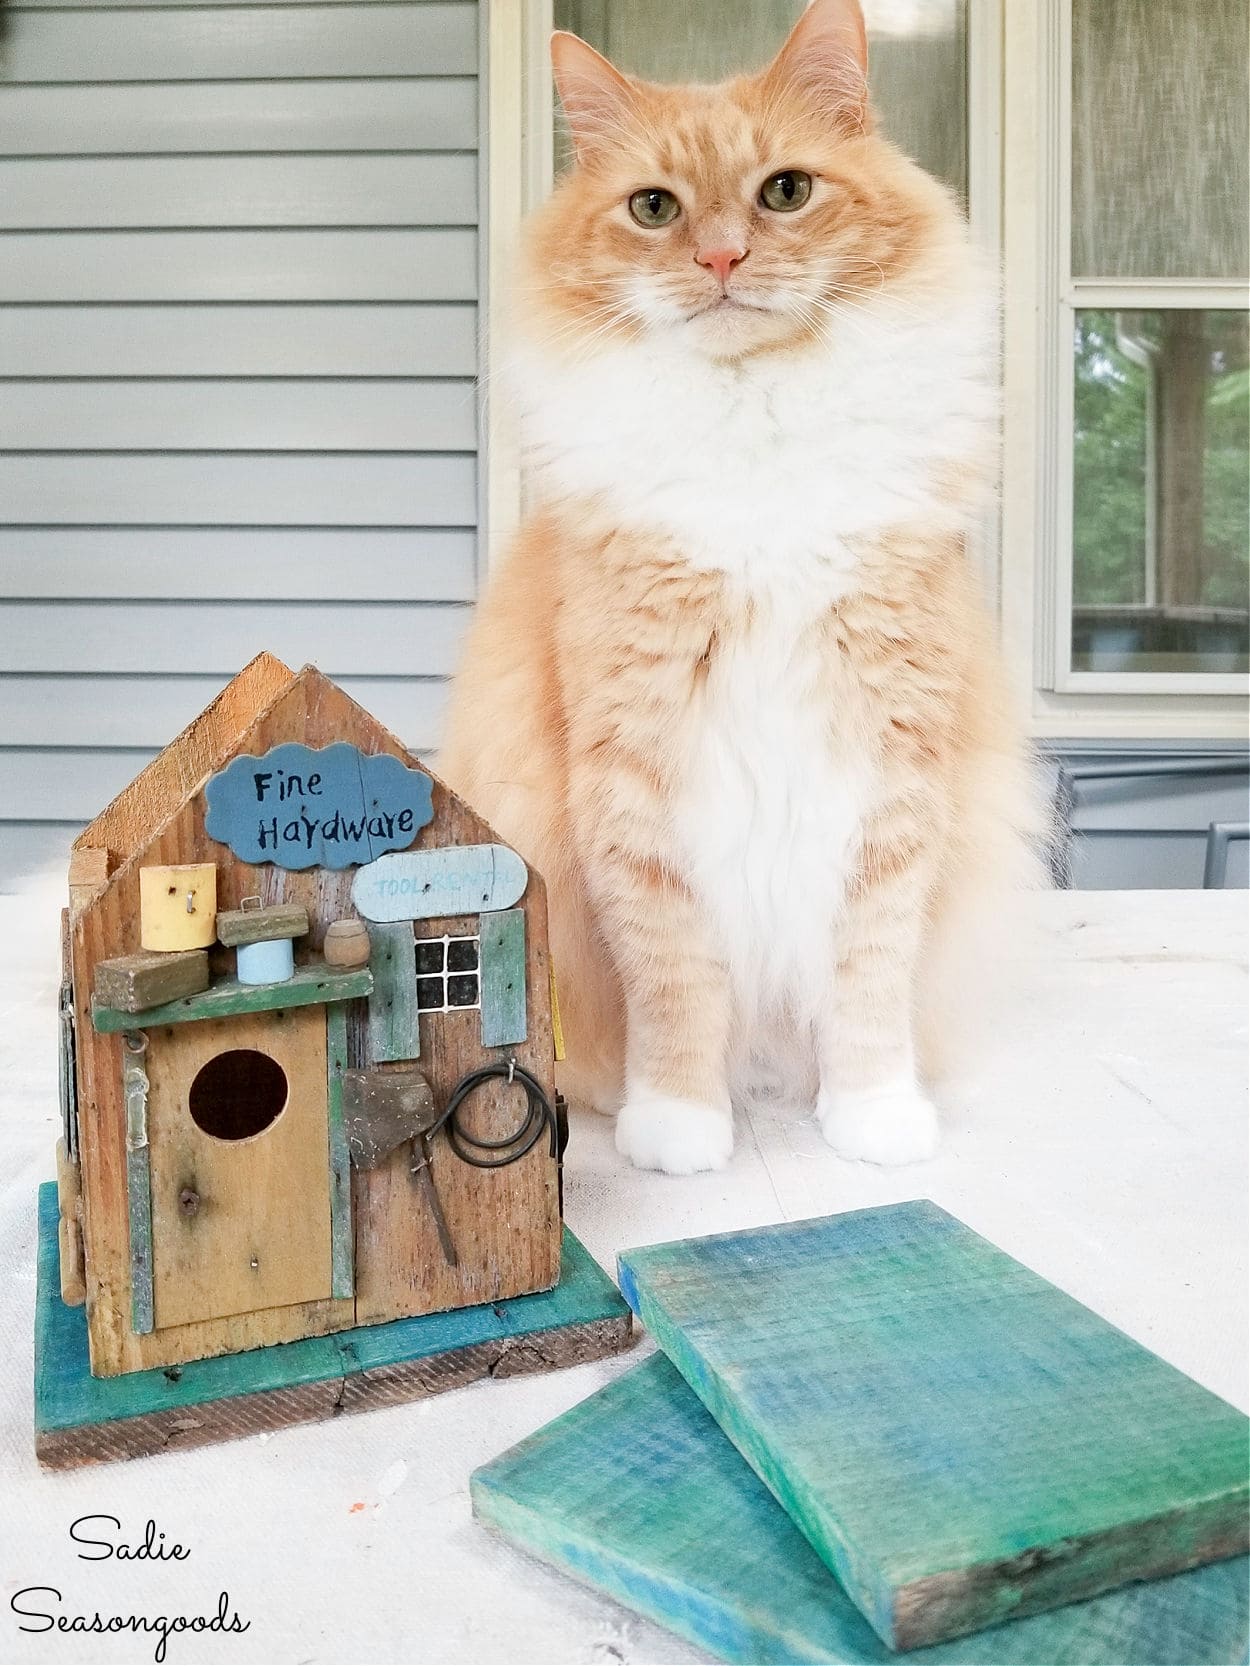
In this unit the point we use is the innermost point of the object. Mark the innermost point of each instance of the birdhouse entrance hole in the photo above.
(238, 1094)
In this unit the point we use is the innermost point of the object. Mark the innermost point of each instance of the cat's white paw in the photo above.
(677, 1136)
(898, 1125)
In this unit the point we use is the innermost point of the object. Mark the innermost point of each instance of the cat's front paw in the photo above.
(677, 1136)
(898, 1125)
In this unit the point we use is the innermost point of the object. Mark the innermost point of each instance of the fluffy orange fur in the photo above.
(579, 704)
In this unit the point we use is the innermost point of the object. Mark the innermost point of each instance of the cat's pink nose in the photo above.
(720, 262)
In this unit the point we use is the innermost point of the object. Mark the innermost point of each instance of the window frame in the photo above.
(1041, 299)
(1121, 294)
(515, 171)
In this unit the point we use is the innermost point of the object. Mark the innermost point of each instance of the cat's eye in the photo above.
(654, 207)
(786, 191)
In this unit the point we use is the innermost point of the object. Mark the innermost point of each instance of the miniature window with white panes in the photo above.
(448, 975)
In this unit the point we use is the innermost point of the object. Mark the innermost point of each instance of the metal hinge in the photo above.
(135, 1086)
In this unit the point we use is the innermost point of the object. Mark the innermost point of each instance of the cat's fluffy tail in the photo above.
(985, 917)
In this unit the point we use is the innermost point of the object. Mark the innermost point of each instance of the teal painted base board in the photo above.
(68, 1399)
(636, 1493)
(959, 1440)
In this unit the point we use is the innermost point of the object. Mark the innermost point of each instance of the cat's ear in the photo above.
(597, 98)
(825, 58)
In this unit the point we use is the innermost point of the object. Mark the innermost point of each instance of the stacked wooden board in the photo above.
(938, 1443)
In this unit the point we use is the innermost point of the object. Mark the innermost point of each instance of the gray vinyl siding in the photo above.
(238, 348)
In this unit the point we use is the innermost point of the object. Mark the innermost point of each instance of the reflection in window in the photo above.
(1159, 139)
(1161, 491)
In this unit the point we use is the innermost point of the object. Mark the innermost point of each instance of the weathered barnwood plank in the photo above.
(638, 1494)
(150, 978)
(315, 985)
(69, 1199)
(343, 1282)
(240, 1224)
(158, 791)
(240, 926)
(394, 1030)
(959, 1440)
(503, 978)
(81, 1419)
(88, 875)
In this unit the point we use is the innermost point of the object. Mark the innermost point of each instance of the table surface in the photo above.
(1103, 1141)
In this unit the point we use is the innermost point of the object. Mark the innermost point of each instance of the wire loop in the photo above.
(497, 1154)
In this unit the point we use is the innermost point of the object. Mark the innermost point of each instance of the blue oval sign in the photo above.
(429, 884)
(330, 807)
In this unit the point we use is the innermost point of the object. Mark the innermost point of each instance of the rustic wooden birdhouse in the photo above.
(308, 1046)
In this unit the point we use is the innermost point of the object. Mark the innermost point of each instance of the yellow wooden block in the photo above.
(557, 1029)
(178, 906)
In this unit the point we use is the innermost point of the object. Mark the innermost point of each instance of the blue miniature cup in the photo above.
(270, 962)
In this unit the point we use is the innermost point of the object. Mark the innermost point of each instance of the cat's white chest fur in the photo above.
(762, 469)
(767, 818)
(767, 471)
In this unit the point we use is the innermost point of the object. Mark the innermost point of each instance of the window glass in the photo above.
(1159, 139)
(448, 974)
(1161, 491)
(917, 58)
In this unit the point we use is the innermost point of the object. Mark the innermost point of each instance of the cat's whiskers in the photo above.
(876, 298)
(609, 311)
(844, 306)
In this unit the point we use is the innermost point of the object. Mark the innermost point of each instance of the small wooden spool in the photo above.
(346, 943)
(178, 906)
(271, 961)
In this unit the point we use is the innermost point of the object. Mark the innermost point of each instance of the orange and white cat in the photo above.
(732, 691)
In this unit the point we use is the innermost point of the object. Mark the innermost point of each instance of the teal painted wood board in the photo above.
(394, 1022)
(84, 1419)
(638, 1494)
(960, 1441)
(503, 978)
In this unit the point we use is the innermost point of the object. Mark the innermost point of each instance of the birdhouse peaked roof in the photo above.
(266, 704)
(174, 774)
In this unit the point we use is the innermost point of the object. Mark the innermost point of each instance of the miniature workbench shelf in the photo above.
(308, 986)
